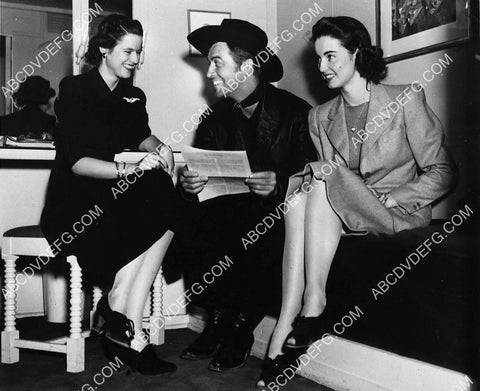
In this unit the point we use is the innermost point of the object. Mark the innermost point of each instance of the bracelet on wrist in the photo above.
(117, 170)
(124, 169)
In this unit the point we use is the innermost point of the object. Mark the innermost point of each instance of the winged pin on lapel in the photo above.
(131, 100)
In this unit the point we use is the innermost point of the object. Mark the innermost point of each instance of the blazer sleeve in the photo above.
(76, 134)
(427, 142)
(315, 132)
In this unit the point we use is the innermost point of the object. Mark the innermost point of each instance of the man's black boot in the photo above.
(210, 338)
(233, 352)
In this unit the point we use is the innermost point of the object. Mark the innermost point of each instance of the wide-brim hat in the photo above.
(34, 90)
(246, 36)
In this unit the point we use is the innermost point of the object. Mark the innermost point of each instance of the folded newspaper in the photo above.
(226, 171)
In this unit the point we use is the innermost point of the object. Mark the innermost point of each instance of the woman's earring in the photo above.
(104, 55)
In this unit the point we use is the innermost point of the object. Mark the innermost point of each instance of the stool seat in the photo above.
(27, 240)
(27, 231)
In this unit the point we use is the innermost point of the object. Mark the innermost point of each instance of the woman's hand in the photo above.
(166, 153)
(387, 200)
(153, 161)
(163, 159)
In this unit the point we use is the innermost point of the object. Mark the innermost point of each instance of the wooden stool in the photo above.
(29, 241)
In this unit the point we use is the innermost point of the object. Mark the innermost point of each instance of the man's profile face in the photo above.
(223, 70)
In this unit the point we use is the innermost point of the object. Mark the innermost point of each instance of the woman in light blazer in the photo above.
(382, 162)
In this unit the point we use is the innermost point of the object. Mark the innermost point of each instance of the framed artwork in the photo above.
(6, 72)
(197, 19)
(408, 28)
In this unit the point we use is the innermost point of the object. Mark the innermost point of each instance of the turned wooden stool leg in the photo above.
(157, 320)
(75, 343)
(97, 295)
(10, 354)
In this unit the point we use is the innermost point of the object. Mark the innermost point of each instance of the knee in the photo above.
(299, 196)
(318, 187)
(116, 293)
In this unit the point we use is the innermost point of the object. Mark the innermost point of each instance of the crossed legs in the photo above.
(312, 234)
(132, 285)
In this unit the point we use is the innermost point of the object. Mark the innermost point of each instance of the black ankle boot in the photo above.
(145, 362)
(212, 335)
(233, 352)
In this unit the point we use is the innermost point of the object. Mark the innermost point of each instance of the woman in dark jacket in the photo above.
(116, 217)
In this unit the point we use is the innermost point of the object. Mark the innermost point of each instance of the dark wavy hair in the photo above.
(110, 31)
(353, 35)
(240, 55)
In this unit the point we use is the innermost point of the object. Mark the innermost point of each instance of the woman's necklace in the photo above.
(353, 129)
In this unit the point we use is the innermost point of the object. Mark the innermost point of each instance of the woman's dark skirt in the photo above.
(109, 223)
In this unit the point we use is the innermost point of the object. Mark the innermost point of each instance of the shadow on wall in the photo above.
(200, 63)
(317, 87)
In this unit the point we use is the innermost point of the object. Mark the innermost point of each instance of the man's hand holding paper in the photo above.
(263, 183)
(191, 181)
(215, 173)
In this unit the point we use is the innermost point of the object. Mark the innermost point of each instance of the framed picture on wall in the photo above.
(197, 19)
(408, 28)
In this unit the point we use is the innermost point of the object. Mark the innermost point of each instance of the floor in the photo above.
(46, 371)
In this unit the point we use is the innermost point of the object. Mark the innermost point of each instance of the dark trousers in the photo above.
(228, 257)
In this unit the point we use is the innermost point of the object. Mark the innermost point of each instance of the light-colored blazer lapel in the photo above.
(379, 117)
(335, 127)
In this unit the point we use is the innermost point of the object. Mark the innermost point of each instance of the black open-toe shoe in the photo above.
(273, 370)
(306, 330)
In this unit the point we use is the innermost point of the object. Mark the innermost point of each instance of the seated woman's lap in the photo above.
(128, 225)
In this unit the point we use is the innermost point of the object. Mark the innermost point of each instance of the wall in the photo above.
(174, 82)
(452, 95)
(31, 34)
(301, 75)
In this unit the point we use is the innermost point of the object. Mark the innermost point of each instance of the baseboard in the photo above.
(196, 323)
(345, 365)
(177, 322)
(29, 314)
